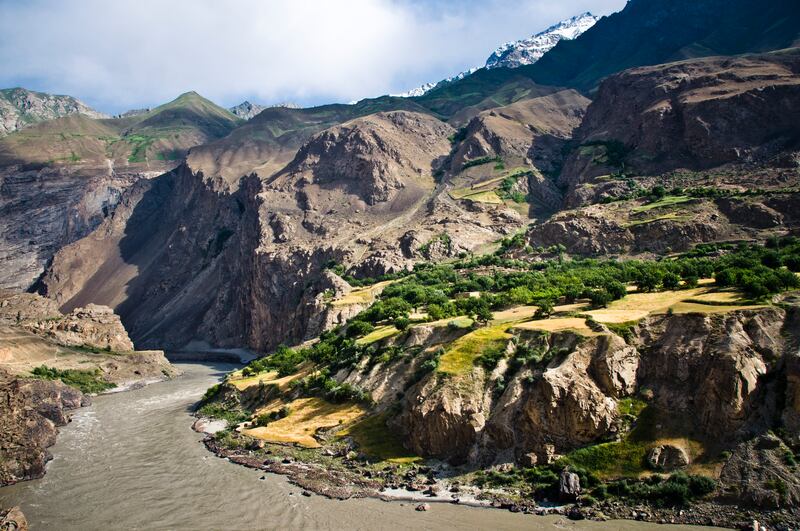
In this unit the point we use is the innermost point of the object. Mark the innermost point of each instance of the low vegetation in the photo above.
(84, 380)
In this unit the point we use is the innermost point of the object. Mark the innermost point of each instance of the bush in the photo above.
(85, 381)
(402, 323)
(359, 328)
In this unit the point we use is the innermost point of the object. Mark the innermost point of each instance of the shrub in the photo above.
(89, 381)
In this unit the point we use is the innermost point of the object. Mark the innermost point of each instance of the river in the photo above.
(131, 461)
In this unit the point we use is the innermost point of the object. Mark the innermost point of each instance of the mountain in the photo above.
(528, 51)
(247, 110)
(519, 53)
(61, 177)
(20, 108)
(648, 32)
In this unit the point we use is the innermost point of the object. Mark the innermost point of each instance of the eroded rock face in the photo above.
(30, 411)
(13, 519)
(372, 157)
(532, 130)
(445, 420)
(697, 114)
(185, 257)
(709, 371)
(711, 378)
(93, 326)
(757, 475)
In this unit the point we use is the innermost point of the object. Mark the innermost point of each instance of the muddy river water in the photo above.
(131, 461)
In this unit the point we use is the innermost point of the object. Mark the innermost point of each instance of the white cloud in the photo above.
(131, 53)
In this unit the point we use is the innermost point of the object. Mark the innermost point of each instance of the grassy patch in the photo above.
(86, 381)
(627, 456)
(463, 352)
(673, 216)
(364, 295)
(576, 324)
(375, 439)
(666, 201)
(306, 417)
(380, 333)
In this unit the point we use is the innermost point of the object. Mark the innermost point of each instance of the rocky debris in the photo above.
(46, 207)
(757, 474)
(93, 326)
(423, 507)
(17, 308)
(20, 108)
(569, 486)
(13, 520)
(750, 213)
(667, 457)
(30, 412)
(580, 233)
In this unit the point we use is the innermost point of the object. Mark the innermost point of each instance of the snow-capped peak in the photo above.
(519, 53)
(422, 89)
(528, 51)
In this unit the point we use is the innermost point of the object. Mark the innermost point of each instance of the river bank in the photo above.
(134, 462)
(346, 476)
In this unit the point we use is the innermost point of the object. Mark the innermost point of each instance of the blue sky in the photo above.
(123, 54)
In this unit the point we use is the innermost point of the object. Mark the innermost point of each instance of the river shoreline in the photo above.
(357, 481)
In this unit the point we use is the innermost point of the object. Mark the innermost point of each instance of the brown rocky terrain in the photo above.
(361, 194)
(33, 333)
(691, 115)
(13, 519)
(20, 108)
(30, 414)
(60, 178)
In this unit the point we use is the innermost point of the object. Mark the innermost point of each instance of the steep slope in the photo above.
(246, 110)
(518, 53)
(269, 141)
(528, 51)
(695, 114)
(644, 33)
(684, 28)
(706, 150)
(41, 352)
(20, 108)
(188, 257)
(61, 177)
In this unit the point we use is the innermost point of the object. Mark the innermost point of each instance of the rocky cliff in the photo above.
(694, 115)
(87, 347)
(252, 255)
(20, 108)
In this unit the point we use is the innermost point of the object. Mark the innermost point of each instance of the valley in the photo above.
(565, 284)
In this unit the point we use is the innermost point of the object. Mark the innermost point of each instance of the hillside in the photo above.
(20, 108)
(685, 30)
(61, 177)
(626, 39)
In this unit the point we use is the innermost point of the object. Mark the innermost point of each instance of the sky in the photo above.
(117, 55)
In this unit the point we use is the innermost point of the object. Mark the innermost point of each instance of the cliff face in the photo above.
(30, 413)
(186, 257)
(718, 379)
(694, 114)
(34, 333)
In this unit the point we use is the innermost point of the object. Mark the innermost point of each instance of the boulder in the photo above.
(569, 486)
(667, 457)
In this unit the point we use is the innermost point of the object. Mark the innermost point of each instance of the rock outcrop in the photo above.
(20, 108)
(13, 520)
(30, 412)
(695, 114)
